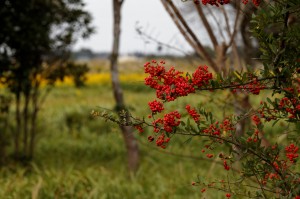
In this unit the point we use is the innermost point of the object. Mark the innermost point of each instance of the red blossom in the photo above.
(209, 155)
(201, 76)
(150, 138)
(161, 141)
(228, 195)
(276, 166)
(255, 2)
(171, 84)
(215, 2)
(273, 176)
(291, 152)
(254, 87)
(171, 120)
(226, 167)
(216, 128)
(139, 128)
(256, 120)
(212, 129)
(193, 113)
(226, 125)
(156, 107)
(167, 123)
(290, 105)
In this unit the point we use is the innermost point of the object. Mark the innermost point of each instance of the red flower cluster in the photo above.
(228, 195)
(171, 84)
(150, 138)
(215, 2)
(226, 125)
(201, 76)
(209, 155)
(284, 102)
(222, 2)
(256, 120)
(160, 141)
(169, 121)
(254, 87)
(273, 176)
(255, 2)
(277, 166)
(193, 113)
(226, 167)
(156, 107)
(291, 152)
(165, 124)
(255, 137)
(213, 130)
(139, 128)
(290, 105)
(168, 84)
(267, 113)
(216, 128)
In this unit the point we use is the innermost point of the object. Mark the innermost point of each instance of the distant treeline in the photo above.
(87, 54)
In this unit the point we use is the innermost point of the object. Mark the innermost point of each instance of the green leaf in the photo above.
(188, 140)
(275, 122)
(269, 100)
(188, 122)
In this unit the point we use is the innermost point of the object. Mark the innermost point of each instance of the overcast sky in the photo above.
(148, 14)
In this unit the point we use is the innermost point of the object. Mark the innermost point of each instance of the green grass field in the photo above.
(82, 157)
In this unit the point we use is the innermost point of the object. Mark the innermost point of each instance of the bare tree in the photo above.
(221, 46)
(127, 131)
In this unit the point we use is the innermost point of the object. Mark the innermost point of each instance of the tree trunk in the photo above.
(221, 58)
(18, 125)
(241, 106)
(127, 131)
(249, 53)
(35, 109)
(4, 117)
(25, 122)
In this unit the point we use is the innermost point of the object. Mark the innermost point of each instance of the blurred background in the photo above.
(57, 58)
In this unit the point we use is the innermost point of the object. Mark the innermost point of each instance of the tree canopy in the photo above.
(35, 41)
(35, 31)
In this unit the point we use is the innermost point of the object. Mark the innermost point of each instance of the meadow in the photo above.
(78, 156)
